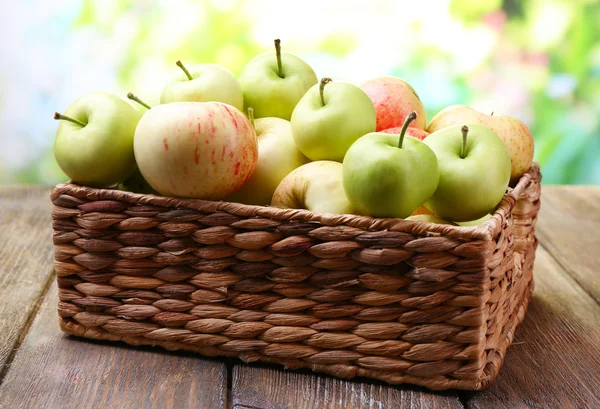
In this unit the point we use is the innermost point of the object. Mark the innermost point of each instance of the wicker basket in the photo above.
(399, 301)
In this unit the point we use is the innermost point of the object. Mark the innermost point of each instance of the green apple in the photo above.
(274, 82)
(204, 83)
(94, 141)
(476, 222)
(513, 132)
(316, 186)
(474, 172)
(330, 118)
(429, 218)
(389, 175)
(277, 157)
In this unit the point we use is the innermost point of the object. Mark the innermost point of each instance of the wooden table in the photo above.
(553, 363)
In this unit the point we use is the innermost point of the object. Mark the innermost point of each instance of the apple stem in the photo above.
(139, 101)
(492, 114)
(187, 73)
(251, 117)
(463, 148)
(411, 117)
(278, 54)
(324, 81)
(62, 117)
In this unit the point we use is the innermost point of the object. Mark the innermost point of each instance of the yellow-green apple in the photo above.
(329, 118)
(274, 82)
(204, 83)
(277, 157)
(513, 132)
(429, 218)
(474, 172)
(476, 222)
(316, 186)
(204, 150)
(136, 182)
(389, 175)
(394, 99)
(414, 132)
(94, 140)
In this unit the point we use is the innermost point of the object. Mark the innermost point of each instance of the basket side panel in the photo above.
(391, 305)
(514, 288)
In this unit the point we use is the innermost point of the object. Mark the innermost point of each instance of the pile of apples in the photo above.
(278, 136)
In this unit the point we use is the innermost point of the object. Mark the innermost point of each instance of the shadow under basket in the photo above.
(351, 296)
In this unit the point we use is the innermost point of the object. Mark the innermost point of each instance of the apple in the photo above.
(204, 150)
(394, 99)
(476, 222)
(316, 186)
(274, 82)
(329, 118)
(137, 184)
(414, 132)
(474, 171)
(429, 218)
(513, 132)
(204, 83)
(277, 157)
(94, 140)
(389, 175)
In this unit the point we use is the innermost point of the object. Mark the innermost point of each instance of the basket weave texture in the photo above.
(399, 301)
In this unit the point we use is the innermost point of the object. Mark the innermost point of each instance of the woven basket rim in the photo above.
(484, 231)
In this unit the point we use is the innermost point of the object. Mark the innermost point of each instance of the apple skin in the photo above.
(429, 218)
(410, 131)
(472, 186)
(137, 184)
(382, 180)
(203, 150)
(513, 132)
(316, 186)
(393, 100)
(277, 157)
(270, 95)
(210, 82)
(325, 132)
(476, 222)
(101, 153)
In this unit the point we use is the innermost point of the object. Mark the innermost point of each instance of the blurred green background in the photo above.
(538, 60)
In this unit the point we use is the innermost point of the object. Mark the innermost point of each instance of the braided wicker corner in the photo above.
(398, 301)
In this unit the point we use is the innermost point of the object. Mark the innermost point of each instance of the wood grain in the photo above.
(271, 388)
(51, 370)
(554, 362)
(569, 227)
(26, 254)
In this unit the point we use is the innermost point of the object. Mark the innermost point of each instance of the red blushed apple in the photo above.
(394, 99)
(414, 132)
(203, 150)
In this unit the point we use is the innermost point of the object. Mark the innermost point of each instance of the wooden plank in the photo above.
(51, 370)
(554, 362)
(569, 227)
(272, 388)
(26, 254)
